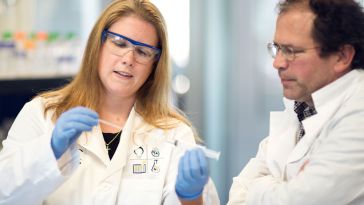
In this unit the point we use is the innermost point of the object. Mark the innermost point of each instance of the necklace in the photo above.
(107, 144)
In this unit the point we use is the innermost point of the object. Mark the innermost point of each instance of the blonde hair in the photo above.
(152, 101)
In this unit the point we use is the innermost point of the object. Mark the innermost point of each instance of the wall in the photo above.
(233, 84)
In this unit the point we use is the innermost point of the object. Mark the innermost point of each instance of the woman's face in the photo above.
(126, 63)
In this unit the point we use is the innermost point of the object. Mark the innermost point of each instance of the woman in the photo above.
(57, 152)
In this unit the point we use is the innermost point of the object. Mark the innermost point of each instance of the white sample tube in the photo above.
(184, 145)
(110, 124)
(208, 152)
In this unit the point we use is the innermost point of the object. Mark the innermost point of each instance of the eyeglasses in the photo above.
(288, 52)
(119, 45)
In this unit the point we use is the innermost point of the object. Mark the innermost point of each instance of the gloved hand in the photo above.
(193, 174)
(69, 127)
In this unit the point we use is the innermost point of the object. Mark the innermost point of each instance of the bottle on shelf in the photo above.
(39, 54)
(7, 48)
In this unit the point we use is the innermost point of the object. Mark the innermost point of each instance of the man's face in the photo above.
(307, 72)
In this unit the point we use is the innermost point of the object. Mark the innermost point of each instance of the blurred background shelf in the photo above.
(29, 85)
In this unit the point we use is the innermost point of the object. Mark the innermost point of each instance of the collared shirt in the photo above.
(303, 111)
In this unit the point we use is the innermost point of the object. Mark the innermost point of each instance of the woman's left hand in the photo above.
(193, 174)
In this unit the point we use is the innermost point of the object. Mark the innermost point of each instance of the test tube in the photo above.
(110, 124)
(212, 154)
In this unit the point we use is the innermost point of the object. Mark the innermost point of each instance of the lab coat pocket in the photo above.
(141, 191)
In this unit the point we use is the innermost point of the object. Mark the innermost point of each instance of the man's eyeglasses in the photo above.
(288, 52)
(120, 45)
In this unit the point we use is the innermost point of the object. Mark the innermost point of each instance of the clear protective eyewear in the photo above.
(288, 52)
(119, 45)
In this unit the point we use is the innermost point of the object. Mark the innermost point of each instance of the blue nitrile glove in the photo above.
(193, 174)
(69, 127)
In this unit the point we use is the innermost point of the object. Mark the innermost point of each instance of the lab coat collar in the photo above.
(334, 90)
(327, 101)
(283, 126)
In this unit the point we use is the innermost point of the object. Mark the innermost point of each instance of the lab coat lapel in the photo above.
(94, 142)
(114, 171)
(121, 156)
(283, 126)
(134, 127)
(313, 126)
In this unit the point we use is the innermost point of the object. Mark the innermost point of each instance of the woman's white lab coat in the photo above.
(325, 167)
(142, 171)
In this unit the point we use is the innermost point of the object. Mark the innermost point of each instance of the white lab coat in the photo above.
(84, 175)
(325, 167)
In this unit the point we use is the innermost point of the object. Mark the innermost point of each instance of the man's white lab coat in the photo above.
(325, 167)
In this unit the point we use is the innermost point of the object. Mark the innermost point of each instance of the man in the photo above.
(314, 153)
